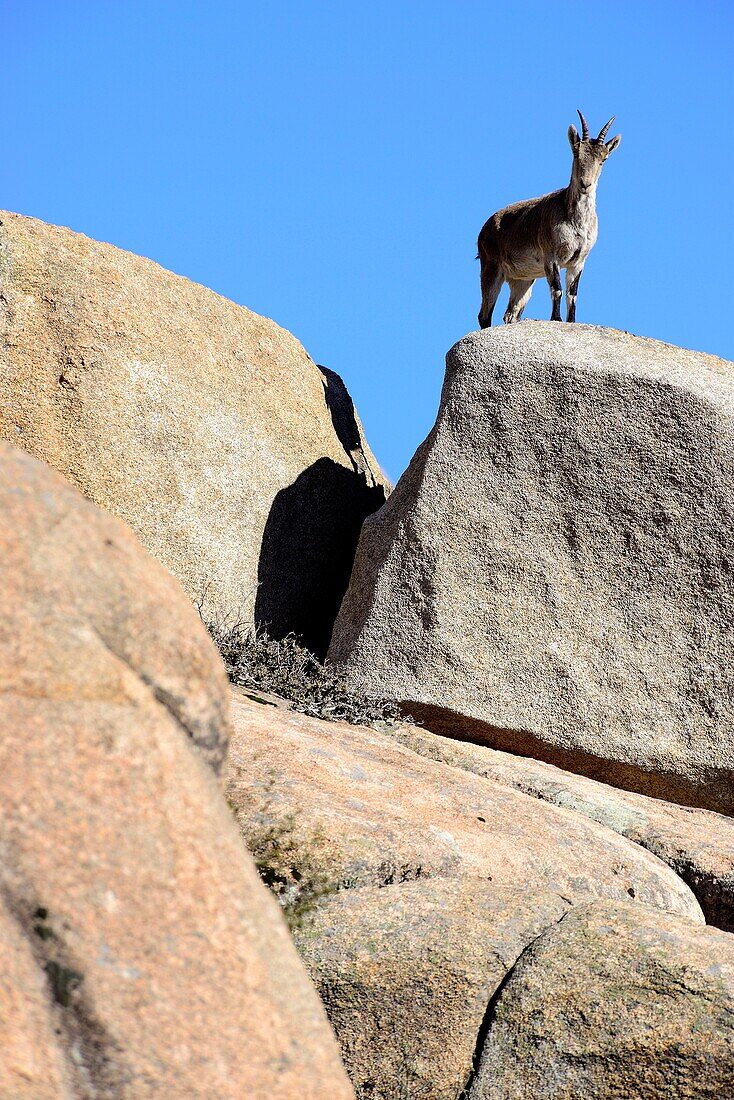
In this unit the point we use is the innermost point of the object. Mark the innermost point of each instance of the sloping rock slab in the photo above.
(553, 575)
(697, 844)
(406, 973)
(149, 958)
(239, 463)
(615, 1001)
(87, 597)
(366, 811)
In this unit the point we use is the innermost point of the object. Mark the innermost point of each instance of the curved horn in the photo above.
(584, 126)
(603, 131)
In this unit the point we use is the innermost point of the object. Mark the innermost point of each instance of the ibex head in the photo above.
(590, 153)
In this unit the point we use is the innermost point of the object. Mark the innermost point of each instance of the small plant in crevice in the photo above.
(284, 667)
(295, 867)
(291, 869)
(42, 927)
(64, 982)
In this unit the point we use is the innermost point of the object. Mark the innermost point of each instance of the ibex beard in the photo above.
(540, 237)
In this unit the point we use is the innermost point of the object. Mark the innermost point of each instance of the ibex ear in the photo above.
(573, 138)
(612, 145)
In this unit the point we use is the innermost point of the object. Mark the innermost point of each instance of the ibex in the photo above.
(527, 240)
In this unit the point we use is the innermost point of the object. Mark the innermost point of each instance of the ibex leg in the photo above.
(553, 275)
(573, 275)
(520, 291)
(492, 280)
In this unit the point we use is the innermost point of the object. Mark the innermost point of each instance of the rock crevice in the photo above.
(204, 426)
(94, 1065)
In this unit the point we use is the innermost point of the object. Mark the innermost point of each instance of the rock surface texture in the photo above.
(421, 884)
(141, 955)
(697, 844)
(554, 573)
(614, 1002)
(369, 812)
(407, 971)
(239, 463)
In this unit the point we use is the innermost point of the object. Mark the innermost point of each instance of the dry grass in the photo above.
(283, 667)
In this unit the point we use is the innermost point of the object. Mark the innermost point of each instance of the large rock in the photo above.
(614, 1002)
(554, 573)
(141, 955)
(351, 808)
(239, 463)
(407, 971)
(697, 844)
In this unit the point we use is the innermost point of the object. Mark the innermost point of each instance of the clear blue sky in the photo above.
(330, 164)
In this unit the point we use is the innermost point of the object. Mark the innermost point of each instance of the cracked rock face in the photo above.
(444, 895)
(407, 971)
(369, 812)
(240, 464)
(141, 954)
(32, 1062)
(697, 844)
(554, 573)
(428, 882)
(614, 1001)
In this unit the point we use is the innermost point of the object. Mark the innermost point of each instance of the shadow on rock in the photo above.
(309, 544)
(344, 420)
